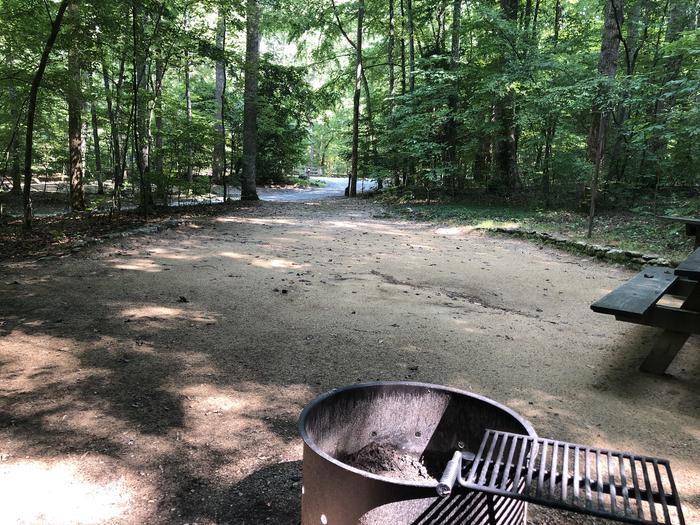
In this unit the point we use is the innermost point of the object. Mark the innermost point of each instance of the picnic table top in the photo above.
(695, 221)
(690, 267)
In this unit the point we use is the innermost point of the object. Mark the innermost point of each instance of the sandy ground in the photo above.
(158, 379)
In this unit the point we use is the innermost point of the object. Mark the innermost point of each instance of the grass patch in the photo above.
(640, 231)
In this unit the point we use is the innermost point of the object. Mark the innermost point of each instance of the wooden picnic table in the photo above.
(692, 226)
(637, 301)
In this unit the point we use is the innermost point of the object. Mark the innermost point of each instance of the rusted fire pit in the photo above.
(405, 433)
(418, 454)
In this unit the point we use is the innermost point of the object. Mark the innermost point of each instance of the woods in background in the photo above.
(550, 100)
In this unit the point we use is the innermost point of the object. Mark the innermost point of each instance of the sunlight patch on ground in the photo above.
(153, 311)
(454, 230)
(156, 313)
(164, 253)
(366, 227)
(271, 264)
(139, 265)
(36, 492)
(251, 220)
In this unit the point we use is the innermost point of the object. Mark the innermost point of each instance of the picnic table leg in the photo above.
(670, 342)
(664, 351)
(693, 231)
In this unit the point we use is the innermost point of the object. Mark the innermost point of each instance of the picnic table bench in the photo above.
(637, 301)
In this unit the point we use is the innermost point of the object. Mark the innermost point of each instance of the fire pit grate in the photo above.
(588, 480)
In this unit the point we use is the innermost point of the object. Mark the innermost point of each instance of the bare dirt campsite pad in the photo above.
(158, 378)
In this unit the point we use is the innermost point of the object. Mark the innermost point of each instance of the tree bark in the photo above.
(31, 111)
(411, 47)
(96, 148)
(161, 179)
(188, 116)
(219, 132)
(354, 161)
(113, 111)
(506, 154)
(250, 102)
(607, 66)
(75, 107)
(618, 154)
(453, 98)
(140, 109)
(13, 168)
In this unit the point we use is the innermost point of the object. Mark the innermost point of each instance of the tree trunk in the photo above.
(13, 169)
(140, 108)
(506, 154)
(76, 169)
(411, 47)
(390, 51)
(607, 66)
(113, 111)
(161, 180)
(250, 101)
(618, 154)
(188, 110)
(31, 110)
(354, 161)
(219, 132)
(453, 98)
(96, 148)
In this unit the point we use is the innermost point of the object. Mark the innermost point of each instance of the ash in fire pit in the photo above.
(387, 460)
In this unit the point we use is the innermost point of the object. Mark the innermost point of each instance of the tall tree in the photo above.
(453, 96)
(250, 101)
(31, 111)
(607, 68)
(506, 148)
(13, 168)
(355, 157)
(219, 131)
(75, 108)
(96, 147)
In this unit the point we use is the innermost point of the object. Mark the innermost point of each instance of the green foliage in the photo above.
(286, 106)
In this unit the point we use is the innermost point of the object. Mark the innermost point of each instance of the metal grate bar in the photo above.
(588, 480)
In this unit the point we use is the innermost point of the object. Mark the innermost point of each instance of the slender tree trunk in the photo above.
(96, 148)
(618, 154)
(390, 50)
(113, 111)
(140, 108)
(13, 168)
(250, 102)
(405, 164)
(31, 111)
(75, 108)
(403, 47)
(453, 98)
(596, 172)
(411, 47)
(551, 124)
(391, 45)
(356, 101)
(158, 135)
(607, 66)
(506, 154)
(188, 110)
(219, 133)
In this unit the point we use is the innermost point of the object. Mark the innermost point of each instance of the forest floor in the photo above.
(157, 378)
